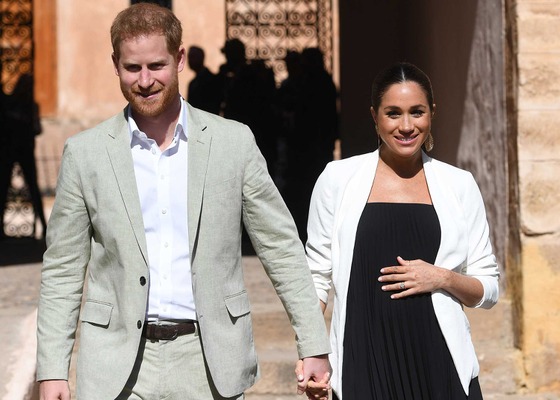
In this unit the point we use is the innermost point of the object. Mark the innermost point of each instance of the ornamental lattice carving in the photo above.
(16, 59)
(269, 28)
(16, 41)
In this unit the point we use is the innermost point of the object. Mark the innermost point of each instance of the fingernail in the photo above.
(300, 377)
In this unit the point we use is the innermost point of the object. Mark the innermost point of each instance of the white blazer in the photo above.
(338, 200)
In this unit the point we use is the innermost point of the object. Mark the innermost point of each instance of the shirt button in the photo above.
(139, 324)
(142, 281)
(164, 211)
(166, 245)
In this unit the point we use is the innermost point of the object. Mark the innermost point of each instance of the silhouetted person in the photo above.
(204, 91)
(234, 52)
(319, 116)
(310, 144)
(249, 91)
(288, 96)
(20, 125)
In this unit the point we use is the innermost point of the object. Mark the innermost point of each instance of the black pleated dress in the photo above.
(394, 349)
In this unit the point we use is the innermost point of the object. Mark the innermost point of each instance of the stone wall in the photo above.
(482, 143)
(88, 89)
(538, 101)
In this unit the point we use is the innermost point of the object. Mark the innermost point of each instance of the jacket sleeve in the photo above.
(320, 228)
(481, 262)
(273, 233)
(63, 273)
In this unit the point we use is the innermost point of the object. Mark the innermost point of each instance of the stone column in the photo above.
(538, 100)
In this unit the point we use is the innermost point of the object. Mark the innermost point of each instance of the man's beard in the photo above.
(151, 107)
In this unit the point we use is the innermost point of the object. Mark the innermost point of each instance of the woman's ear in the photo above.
(373, 114)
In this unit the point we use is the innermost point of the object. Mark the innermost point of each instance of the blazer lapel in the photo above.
(199, 140)
(120, 156)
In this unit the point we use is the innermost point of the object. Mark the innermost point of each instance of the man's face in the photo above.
(148, 74)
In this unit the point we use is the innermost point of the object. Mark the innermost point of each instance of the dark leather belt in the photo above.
(153, 331)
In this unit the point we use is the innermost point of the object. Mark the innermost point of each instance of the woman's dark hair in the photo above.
(399, 73)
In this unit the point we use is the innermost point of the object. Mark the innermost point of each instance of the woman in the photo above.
(403, 240)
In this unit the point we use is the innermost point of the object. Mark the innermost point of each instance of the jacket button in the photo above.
(142, 281)
(139, 324)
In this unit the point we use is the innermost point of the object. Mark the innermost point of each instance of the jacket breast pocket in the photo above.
(238, 304)
(97, 313)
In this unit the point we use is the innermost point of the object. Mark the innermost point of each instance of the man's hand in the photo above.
(54, 390)
(313, 374)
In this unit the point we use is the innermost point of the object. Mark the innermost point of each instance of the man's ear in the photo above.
(181, 59)
(115, 64)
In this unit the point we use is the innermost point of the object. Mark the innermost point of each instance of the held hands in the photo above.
(412, 277)
(54, 390)
(313, 374)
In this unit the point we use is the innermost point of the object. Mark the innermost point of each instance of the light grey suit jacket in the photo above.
(96, 234)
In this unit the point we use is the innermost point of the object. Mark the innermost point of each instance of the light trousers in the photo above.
(171, 370)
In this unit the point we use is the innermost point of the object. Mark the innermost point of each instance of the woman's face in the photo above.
(403, 119)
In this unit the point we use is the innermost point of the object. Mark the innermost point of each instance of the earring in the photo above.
(429, 143)
(378, 141)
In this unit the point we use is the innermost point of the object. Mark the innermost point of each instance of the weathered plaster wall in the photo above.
(204, 25)
(88, 89)
(538, 59)
(87, 85)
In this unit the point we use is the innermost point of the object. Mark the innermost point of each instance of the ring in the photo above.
(402, 285)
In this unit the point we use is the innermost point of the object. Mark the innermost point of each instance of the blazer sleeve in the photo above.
(320, 228)
(481, 261)
(274, 236)
(63, 273)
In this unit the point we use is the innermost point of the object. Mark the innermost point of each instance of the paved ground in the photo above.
(501, 374)
(501, 377)
(501, 369)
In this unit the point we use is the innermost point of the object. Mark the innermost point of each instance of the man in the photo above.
(150, 206)
(204, 90)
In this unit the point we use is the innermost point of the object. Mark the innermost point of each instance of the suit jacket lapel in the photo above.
(199, 139)
(118, 148)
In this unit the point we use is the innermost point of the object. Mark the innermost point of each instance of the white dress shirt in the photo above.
(161, 178)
